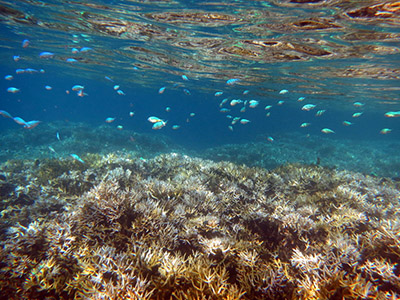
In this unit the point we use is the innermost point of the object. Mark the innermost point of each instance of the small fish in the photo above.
(232, 81)
(108, 78)
(58, 136)
(20, 71)
(392, 114)
(356, 115)
(116, 87)
(280, 102)
(25, 43)
(243, 109)
(184, 77)
(120, 127)
(192, 115)
(48, 87)
(5, 114)
(327, 130)
(77, 88)
(301, 99)
(358, 104)
(217, 94)
(31, 124)
(187, 92)
(31, 71)
(281, 92)
(268, 107)
(230, 128)
(235, 120)
(12, 90)
(86, 49)
(235, 101)
(244, 121)
(81, 93)
(168, 109)
(253, 103)
(224, 110)
(16, 57)
(131, 113)
(347, 123)
(268, 114)
(308, 107)
(320, 112)
(154, 119)
(19, 121)
(158, 125)
(385, 131)
(46, 54)
(246, 92)
(223, 102)
(270, 139)
(120, 92)
(71, 60)
(74, 50)
(175, 127)
(303, 125)
(8, 77)
(110, 120)
(161, 90)
(76, 157)
(52, 149)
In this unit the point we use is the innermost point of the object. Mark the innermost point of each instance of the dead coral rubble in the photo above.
(176, 227)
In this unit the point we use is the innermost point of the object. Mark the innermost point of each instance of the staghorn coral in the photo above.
(176, 227)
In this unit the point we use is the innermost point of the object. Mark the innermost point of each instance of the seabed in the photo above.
(173, 226)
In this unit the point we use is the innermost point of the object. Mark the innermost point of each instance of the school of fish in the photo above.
(231, 108)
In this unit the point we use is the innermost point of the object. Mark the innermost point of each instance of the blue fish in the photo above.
(86, 49)
(76, 157)
(31, 124)
(25, 43)
(187, 92)
(161, 90)
(5, 114)
(232, 81)
(19, 121)
(71, 60)
(46, 54)
(12, 90)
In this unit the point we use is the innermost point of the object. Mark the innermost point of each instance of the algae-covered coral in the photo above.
(177, 227)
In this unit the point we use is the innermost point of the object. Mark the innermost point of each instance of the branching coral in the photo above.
(176, 227)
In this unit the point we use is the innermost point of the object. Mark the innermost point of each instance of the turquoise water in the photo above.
(331, 54)
(199, 149)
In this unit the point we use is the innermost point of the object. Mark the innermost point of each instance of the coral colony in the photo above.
(177, 227)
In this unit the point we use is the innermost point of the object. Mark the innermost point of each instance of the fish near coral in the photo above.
(159, 125)
(327, 131)
(31, 124)
(19, 121)
(76, 157)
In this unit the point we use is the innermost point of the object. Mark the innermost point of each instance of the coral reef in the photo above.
(178, 227)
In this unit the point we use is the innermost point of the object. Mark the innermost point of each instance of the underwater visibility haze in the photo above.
(200, 149)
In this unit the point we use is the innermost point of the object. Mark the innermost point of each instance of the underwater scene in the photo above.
(172, 149)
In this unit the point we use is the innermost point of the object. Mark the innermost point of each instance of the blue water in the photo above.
(144, 59)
